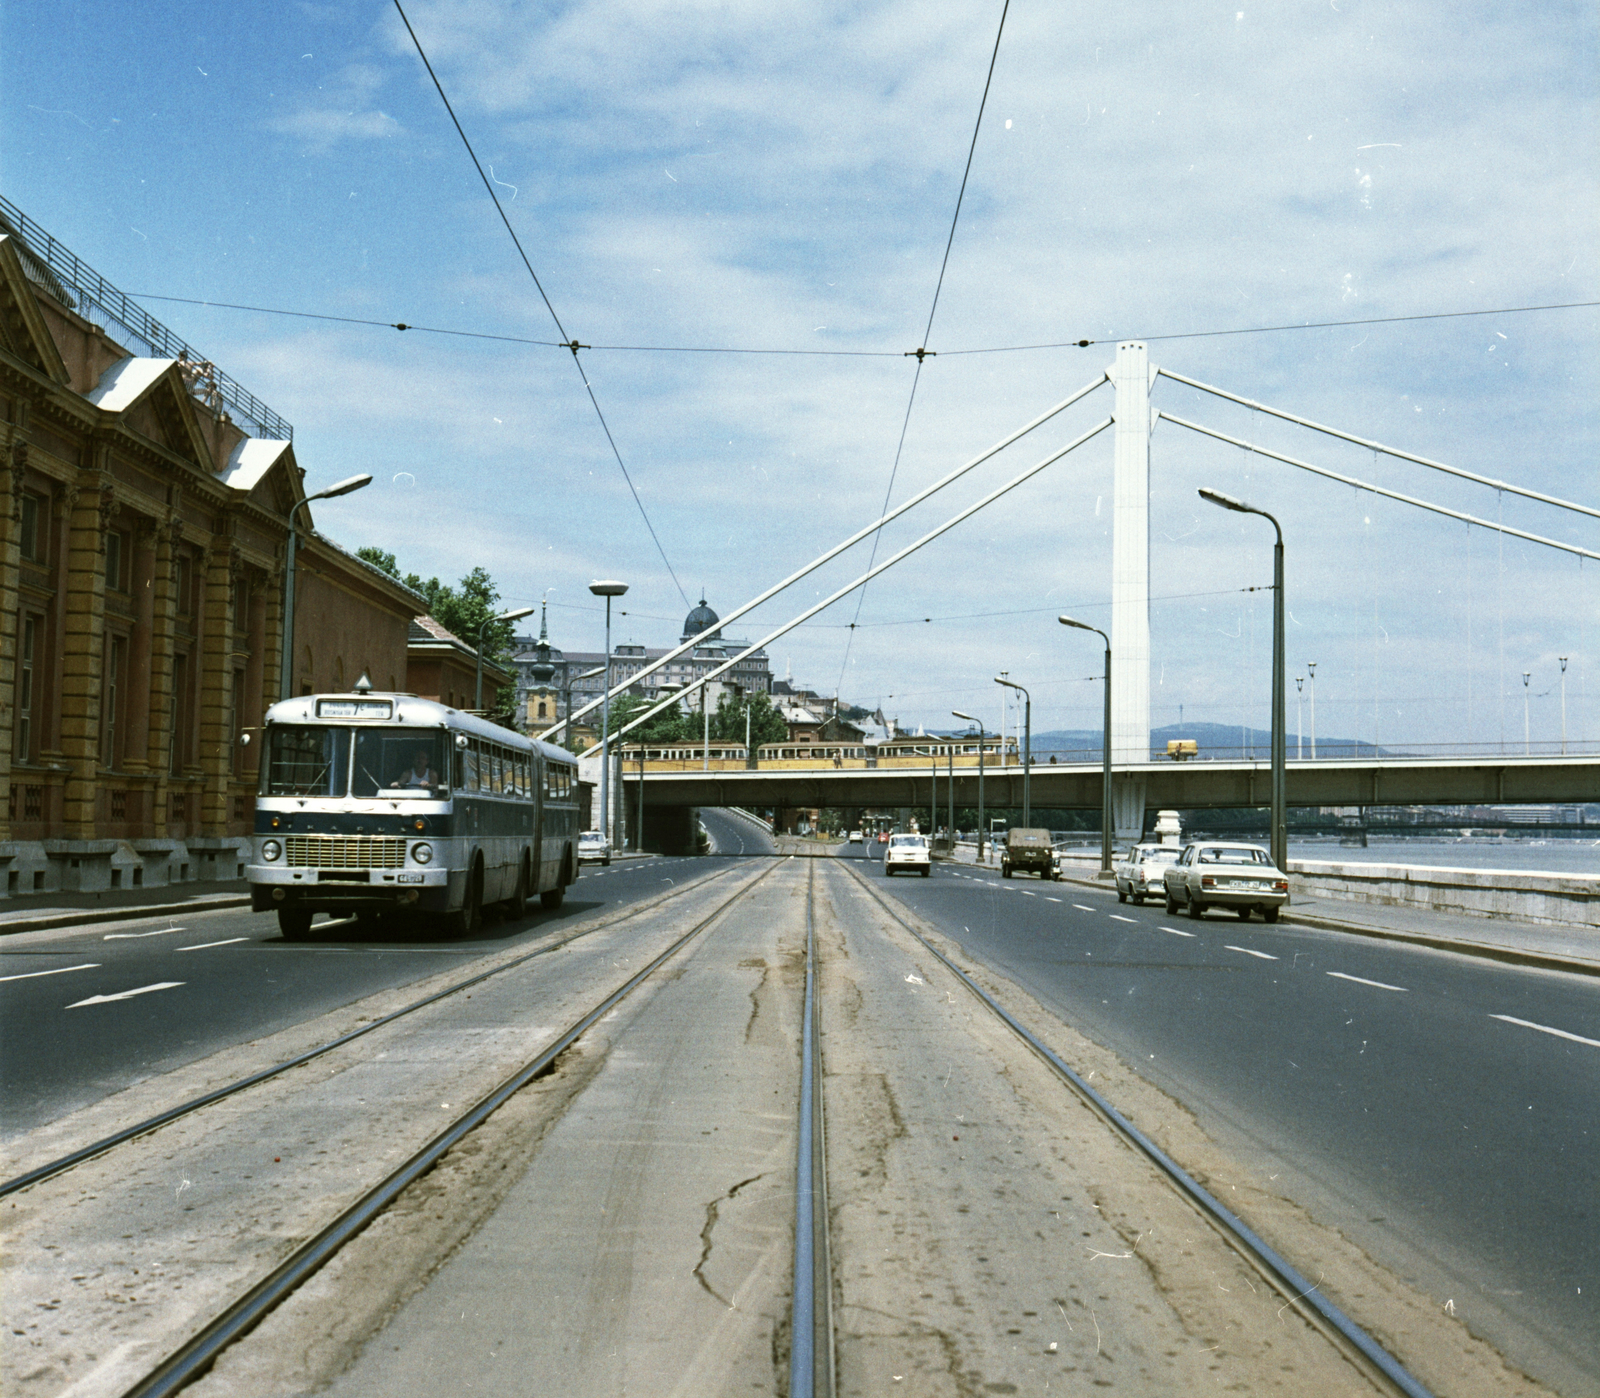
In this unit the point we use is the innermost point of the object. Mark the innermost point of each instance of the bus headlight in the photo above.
(422, 853)
(270, 850)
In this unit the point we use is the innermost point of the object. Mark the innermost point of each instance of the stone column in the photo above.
(1130, 588)
(163, 628)
(14, 460)
(83, 649)
(214, 726)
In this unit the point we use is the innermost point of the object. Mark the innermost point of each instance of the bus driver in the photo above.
(420, 773)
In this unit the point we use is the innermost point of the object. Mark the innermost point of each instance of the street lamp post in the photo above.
(1527, 737)
(1311, 669)
(1027, 746)
(1105, 750)
(1299, 718)
(970, 719)
(1280, 815)
(1563, 660)
(286, 662)
(608, 590)
(483, 630)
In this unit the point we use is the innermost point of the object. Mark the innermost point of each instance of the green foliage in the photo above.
(671, 725)
(766, 723)
(463, 610)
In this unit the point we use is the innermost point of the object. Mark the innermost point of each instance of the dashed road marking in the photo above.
(1546, 1029)
(1362, 980)
(1118, 917)
(1049, 899)
(1082, 909)
(1265, 956)
(226, 942)
(59, 971)
(1177, 931)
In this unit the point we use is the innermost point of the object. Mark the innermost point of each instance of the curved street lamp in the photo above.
(489, 621)
(1279, 842)
(1105, 749)
(956, 713)
(1027, 745)
(286, 662)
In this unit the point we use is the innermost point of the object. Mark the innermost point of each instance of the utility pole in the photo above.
(1299, 718)
(1311, 669)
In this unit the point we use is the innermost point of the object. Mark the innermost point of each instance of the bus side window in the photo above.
(469, 763)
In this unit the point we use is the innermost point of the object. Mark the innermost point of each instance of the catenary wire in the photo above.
(571, 344)
(927, 332)
(851, 353)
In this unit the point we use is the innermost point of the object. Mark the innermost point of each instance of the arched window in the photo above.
(541, 708)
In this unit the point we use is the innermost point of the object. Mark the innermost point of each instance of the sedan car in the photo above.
(907, 854)
(1241, 878)
(1140, 873)
(594, 848)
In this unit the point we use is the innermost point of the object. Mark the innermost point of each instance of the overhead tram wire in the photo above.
(571, 344)
(853, 353)
(922, 350)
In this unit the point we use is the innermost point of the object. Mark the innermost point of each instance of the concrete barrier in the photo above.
(1564, 899)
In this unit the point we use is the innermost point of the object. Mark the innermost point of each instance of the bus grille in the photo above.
(345, 852)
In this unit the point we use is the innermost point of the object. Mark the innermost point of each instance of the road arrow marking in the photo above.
(125, 994)
(59, 970)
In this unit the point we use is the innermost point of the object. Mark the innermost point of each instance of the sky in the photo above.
(709, 177)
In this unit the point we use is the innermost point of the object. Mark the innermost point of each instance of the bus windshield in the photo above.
(400, 762)
(305, 761)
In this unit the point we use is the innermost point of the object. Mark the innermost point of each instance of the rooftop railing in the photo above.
(65, 271)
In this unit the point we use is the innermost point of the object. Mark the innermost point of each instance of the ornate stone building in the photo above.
(141, 588)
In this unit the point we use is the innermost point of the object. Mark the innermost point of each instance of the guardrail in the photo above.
(77, 277)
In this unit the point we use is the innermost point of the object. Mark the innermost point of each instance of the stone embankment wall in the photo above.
(1567, 899)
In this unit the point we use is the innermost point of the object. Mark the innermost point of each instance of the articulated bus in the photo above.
(915, 752)
(373, 804)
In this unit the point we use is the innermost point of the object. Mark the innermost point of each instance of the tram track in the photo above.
(1300, 1294)
(197, 1354)
(63, 1163)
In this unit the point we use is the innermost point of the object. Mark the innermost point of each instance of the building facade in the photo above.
(142, 535)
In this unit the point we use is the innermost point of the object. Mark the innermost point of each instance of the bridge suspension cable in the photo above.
(836, 550)
(866, 577)
(1379, 447)
(1378, 489)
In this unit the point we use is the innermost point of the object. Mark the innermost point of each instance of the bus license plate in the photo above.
(410, 878)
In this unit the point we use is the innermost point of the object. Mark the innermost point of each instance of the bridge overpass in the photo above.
(1388, 781)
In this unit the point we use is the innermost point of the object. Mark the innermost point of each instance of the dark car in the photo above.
(1031, 851)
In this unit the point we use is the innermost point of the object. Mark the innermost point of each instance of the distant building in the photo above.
(442, 667)
(551, 682)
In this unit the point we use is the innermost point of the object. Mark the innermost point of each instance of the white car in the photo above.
(856, 837)
(1141, 872)
(908, 853)
(593, 847)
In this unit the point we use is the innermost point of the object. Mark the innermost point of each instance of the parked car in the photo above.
(1141, 872)
(907, 853)
(1241, 878)
(1030, 851)
(593, 847)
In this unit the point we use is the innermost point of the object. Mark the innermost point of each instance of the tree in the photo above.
(668, 726)
(462, 610)
(766, 723)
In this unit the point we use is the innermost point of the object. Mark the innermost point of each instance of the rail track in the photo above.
(99, 1147)
(1381, 1367)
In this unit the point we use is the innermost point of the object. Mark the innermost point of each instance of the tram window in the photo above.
(305, 761)
(400, 761)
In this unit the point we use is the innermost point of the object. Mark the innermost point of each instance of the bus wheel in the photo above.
(517, 904)
(465, 922)
(551, 898)
(294, 924)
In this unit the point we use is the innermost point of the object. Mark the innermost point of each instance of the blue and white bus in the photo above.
(386, 803)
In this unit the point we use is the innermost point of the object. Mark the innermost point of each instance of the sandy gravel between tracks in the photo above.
(112, 1265)
(993, 1234)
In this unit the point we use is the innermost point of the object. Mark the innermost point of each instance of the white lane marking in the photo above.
(1118, 917)
(1177, 932)
(1246, 950)
(1546, 1029)
(1026, 894)
(125, 936)
(1362, 980)
(59, 970)
(1049, 899)
(226, 942)
(1082, 909)
(126, 994)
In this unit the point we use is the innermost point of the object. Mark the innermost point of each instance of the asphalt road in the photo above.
(89, 1010)
(1441, 1111)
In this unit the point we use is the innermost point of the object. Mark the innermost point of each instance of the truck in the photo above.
(1030, 851)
